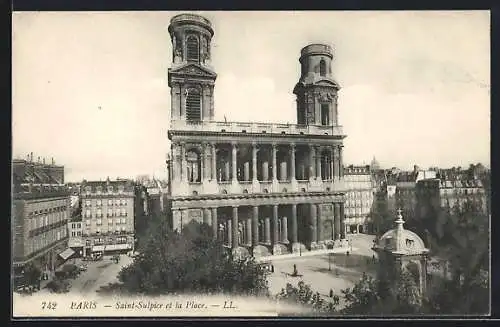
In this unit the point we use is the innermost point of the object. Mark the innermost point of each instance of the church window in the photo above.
(322, 68)
(193, 167)
(325, 114)
(193, 105)
(193, 49)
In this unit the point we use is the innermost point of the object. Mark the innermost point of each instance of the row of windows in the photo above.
(356, 211)
(76, 225)
(360, 195)
(99, 202)
(42, 221)
(111, 213)
(110, 221)
(79, 233)
(358, 203)
(117, 229)
(109, 189)
(101, 240)
(39, 242)
(47, 211)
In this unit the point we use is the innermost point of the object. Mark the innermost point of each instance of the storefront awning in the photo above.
(67, 253)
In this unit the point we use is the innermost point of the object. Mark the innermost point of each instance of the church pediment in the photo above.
(193, 70)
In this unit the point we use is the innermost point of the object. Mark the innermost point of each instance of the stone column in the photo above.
(229, 232)
(341, 168)
(267, 230)
(332, 164)
(246, 171)
(249, 231)
(235, 243)
(177, 161)
(319, 223)
(226, 170)
(312, 166)
(314, 233)
(215, 224)
(235, 162)
(255, 226)
(294, 224)
(292, 162)
(265, 171)
(275, 224)
(207, 219)
(342, 222)
(175, 100)
(318, 163)
(214, 161)
(336, 220)
(284, 232)
(275, 175)
(254, 162)
(283, 171)
(184, 162)
(202, 165)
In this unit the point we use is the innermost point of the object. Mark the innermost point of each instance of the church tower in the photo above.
(316, 90)
(191, 78)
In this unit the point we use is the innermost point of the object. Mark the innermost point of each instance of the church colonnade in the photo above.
(240, 163)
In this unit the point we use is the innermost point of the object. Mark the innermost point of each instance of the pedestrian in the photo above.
(331, 292)
(336, 300)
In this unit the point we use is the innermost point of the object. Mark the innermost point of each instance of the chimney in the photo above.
(53, 162)
(43, 161)
(31, 157)
(38, 159)
(28, 157)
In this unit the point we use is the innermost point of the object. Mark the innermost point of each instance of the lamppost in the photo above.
(329, 262)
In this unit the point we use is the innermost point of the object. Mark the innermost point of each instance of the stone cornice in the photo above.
(210, 201)
(259, 138)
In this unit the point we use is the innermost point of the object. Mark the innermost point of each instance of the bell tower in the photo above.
(316, 90)
(191, 78)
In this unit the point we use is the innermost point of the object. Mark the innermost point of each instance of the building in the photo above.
(434, 195)
(40, 211)
(107, 216)
(360, 189)
(157, 192)
(406, 197)
(400, 249)
(264, 188)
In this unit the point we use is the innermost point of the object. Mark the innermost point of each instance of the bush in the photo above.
(59, 286)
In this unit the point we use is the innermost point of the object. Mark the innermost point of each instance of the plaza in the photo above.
(324, 272)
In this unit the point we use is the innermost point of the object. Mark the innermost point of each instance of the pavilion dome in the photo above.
(401, 241)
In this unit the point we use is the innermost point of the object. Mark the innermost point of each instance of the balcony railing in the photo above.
(242, 187)
(245, 127)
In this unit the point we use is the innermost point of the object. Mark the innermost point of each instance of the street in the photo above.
(99, 273)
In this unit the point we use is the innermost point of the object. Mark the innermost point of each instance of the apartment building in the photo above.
(39, 215)
(107, 216)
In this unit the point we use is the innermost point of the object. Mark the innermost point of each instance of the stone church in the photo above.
(264, 188)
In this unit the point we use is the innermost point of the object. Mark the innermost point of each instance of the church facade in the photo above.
(264, 188)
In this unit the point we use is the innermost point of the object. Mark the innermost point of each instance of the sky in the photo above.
(90, 88)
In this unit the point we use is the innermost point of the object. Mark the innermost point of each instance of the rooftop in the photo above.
(401, 241)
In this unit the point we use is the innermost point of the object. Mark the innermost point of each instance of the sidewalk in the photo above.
(343, 249)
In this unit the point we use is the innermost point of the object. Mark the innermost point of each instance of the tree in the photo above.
(191, 261)
(304, 295)
(463, 245)
(381, 297)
